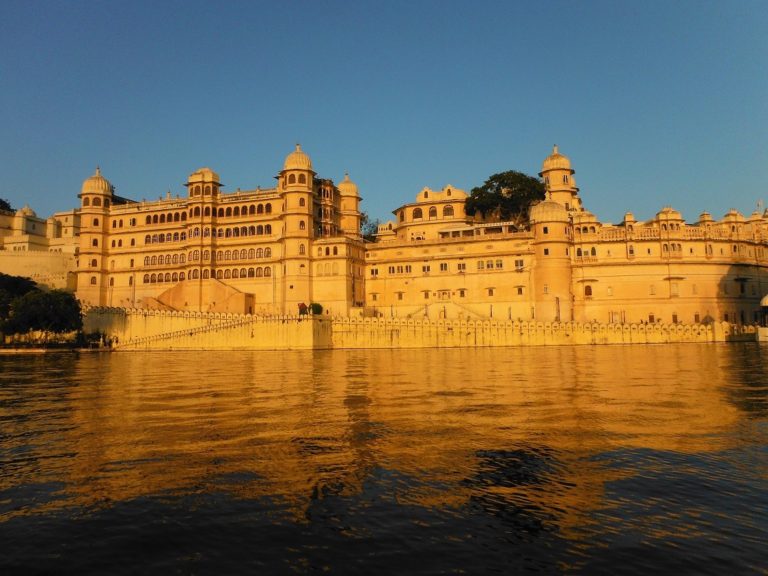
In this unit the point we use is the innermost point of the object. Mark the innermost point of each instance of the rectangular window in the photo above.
(374, 272)
(462, 266)
(519, 264)
(426, 295)
(675, 289)
(631, 250)
(696, 318)
(546, 289)
(399, 269)
(652, 290)
(374, 297)
(519, 290)
(490, 291)
(480, 265)
(399, 295)
(546, 230)
(408, 269)
(443, 266)
(499, 264)
(425, 269)
(391, 269)
(461, 293)
(546, 251)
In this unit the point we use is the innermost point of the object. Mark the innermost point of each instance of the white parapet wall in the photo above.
(138, 329)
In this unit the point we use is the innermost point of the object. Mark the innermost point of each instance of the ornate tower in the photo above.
(551, 290)
(95, 201)
(559, 182)
(350, 207)
(295, 182)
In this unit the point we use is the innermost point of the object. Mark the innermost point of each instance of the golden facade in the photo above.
(268, 251)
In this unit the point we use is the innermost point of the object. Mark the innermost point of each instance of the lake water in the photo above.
(613, 459)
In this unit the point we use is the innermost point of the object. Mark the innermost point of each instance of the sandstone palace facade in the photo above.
(268, 251)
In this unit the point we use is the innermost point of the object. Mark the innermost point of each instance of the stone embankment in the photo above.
(138, 329)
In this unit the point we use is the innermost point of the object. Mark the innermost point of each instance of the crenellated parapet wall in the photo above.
(403, 333)
(139, 329)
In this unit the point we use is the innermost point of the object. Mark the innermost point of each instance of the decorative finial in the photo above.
(554, 149)
(98, 171)
(346, 176)
(298, 147)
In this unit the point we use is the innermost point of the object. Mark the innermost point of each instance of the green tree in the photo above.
(368, 227)
(506, 196)
(54, 311)
(5, 205)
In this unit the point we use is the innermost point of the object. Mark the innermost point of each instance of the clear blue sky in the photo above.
(656, 103)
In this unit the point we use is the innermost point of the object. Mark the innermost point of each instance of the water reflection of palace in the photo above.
(269, 250)
(430, 428)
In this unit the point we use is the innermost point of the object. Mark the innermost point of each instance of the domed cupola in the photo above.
(297, 160)
(347, 187)
(558, 180)
(548, 211)
(96, 184)
(556, 161)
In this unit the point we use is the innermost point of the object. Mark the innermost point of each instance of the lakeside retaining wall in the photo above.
(140, 329)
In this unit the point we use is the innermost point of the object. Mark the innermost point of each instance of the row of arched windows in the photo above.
(586, 252)
(236, 211)
(167, 260)
(157, 238)
(418, 214)
(96, 201)
(674, 247)
(586, 229)
(206, 255)
(237, 232)
(233, 273)
(302, 179)
(328, 251)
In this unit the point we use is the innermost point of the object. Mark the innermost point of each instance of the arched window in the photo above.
(167, 259)
(228, 255)
(162, 218)
(153, 261)
(292, 179)
(302, 203)
(147, 239)
(302, 179)
(268, 229)
(593, 252)
(259, 272)
(206, 232)
(176, 217)
(206, 274)
(183, 236)
(197, 211)
(243, 272)
(208, 190)
(183, 216)
(196, 255)
(243, 254)
(206, 255)
(260, 209)
(578, 252)
(251, 254)
(148, 219)
(448, 212)
(175, 236)
(259, 253)
(95, 221)
(207, 211)
(94, 263)
(236, 232)
(432, 213)
(244, 231)
(267, 252)
(113, 243)
(327, 251)
(95, 242)
(155, 239)
(302, 225)
(302, 249)
(251, 210)
(97, 201)
(146, 260)
(175, 277)
(252, 230)
(268, 208)
(167, 276)
(219, 274)
(227, 274)
(236, 211)
(175, 259)
(146, 278)
(195, 274)
(259, 230)
(182, 258)
(168, 237)
(182, 277)
(153, 279)
(267, 271)
(335, 250)
(417, 214)
(251, 273)
(86, 201)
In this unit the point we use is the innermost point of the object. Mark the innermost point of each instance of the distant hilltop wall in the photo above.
(51, 269)
(140, 329)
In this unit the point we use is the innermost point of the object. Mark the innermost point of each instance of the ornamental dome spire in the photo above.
(297, 160)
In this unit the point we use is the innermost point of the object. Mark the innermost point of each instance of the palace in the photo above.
(270, 250)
